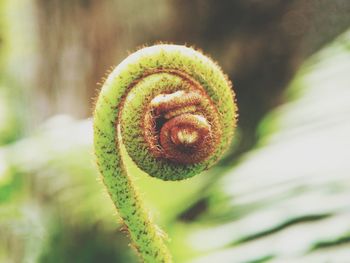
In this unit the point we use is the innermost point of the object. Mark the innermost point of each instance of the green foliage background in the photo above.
(280, 195)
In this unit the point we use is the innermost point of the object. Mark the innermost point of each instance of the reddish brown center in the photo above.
(177, 129)
(186, 131)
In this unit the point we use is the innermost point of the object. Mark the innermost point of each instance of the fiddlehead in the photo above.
(175, 112)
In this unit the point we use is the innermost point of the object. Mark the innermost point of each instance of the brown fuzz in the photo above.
(182, 126)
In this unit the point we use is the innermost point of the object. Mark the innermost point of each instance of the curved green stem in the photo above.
(176, 114)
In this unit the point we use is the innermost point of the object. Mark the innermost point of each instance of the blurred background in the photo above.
(281, 193)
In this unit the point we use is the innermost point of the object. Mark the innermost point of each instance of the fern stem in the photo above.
(175, 112)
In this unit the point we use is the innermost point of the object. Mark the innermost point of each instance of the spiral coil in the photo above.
(176, 113)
